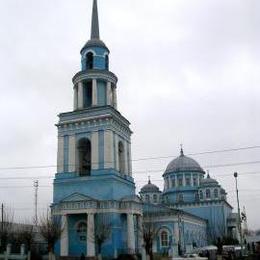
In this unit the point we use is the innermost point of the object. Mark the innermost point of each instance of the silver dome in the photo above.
(149, 188)
(183, 164)
(208, 182)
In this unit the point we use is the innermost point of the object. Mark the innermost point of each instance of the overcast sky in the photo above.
(188, 73)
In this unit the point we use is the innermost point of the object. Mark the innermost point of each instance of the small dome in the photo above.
(94, 43)
(149, 188)
(183, 164)
(208, 181)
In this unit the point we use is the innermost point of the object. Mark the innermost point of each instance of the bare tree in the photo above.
(149, 233)
(6, 229)
(103, 231)
(26, 235)
(51, 230)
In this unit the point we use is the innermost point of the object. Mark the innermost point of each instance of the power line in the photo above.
(136, 160)
(134, 173)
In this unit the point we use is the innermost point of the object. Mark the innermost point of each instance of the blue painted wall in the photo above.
(99, 58)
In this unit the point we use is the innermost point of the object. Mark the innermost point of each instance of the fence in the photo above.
(7, 255)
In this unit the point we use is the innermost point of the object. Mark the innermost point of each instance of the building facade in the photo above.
(94, 191)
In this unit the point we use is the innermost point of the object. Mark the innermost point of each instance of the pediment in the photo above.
(77, 197)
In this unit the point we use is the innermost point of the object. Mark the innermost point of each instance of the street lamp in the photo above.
(238, 211)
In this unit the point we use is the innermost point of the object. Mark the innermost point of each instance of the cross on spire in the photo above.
(95, 23)
(182, 153)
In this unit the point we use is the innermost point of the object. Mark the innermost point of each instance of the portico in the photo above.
(87, 210)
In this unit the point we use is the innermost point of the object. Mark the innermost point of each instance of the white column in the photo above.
(109, 151)
(64, 239)
(126, 157)
(94, 151)
(115, 97)
(183, 180)
(176, 181)
(60, 156)
(140, 233)
(94, 92)
(130, 233)
(109, 94)
(80, 95)
(91, 236)
(75, 89)
(72, 153)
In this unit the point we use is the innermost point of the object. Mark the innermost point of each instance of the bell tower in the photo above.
(94, 140)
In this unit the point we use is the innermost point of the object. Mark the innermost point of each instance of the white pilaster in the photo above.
(94, 151)
(72, 153)
(183, 180)
(94, 92)
(191, 180)
(176, 232)
(80, 95)
(109, 151)
(60, 156)
(170, 182)
(75, 89)
(129, 159)
(115, 97)
(91, 236)
(64, 239)
(117, 155)
(109, 94)
(126, 157)
(130, 233)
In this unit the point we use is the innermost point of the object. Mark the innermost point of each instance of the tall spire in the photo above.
(95, 24)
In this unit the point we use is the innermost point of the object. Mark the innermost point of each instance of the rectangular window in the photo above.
(195, 181)
(187, 181)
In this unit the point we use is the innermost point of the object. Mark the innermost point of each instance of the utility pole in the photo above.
(239, 214)
(2, 217)
(2, 223)
(36, 185)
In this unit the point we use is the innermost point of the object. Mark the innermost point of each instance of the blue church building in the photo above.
(94, 191)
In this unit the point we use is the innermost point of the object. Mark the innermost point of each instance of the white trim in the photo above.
(87, 51)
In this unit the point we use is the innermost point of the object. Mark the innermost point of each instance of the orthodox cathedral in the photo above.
(94, 191)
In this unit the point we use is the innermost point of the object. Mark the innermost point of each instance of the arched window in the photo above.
(155, 200)
(216, 193)
(180, 183)
(195, 181)
(187, 181)
(208, 195)
(180, 197)
(147, 198)
(121, 157)
(201, 194)
(196, 196)
(164, 238)
(81, 229)
(84, 157)
(89, 61)
(107, 62)
(173, 182)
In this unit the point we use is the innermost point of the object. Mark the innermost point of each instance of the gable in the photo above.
(77, 197)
